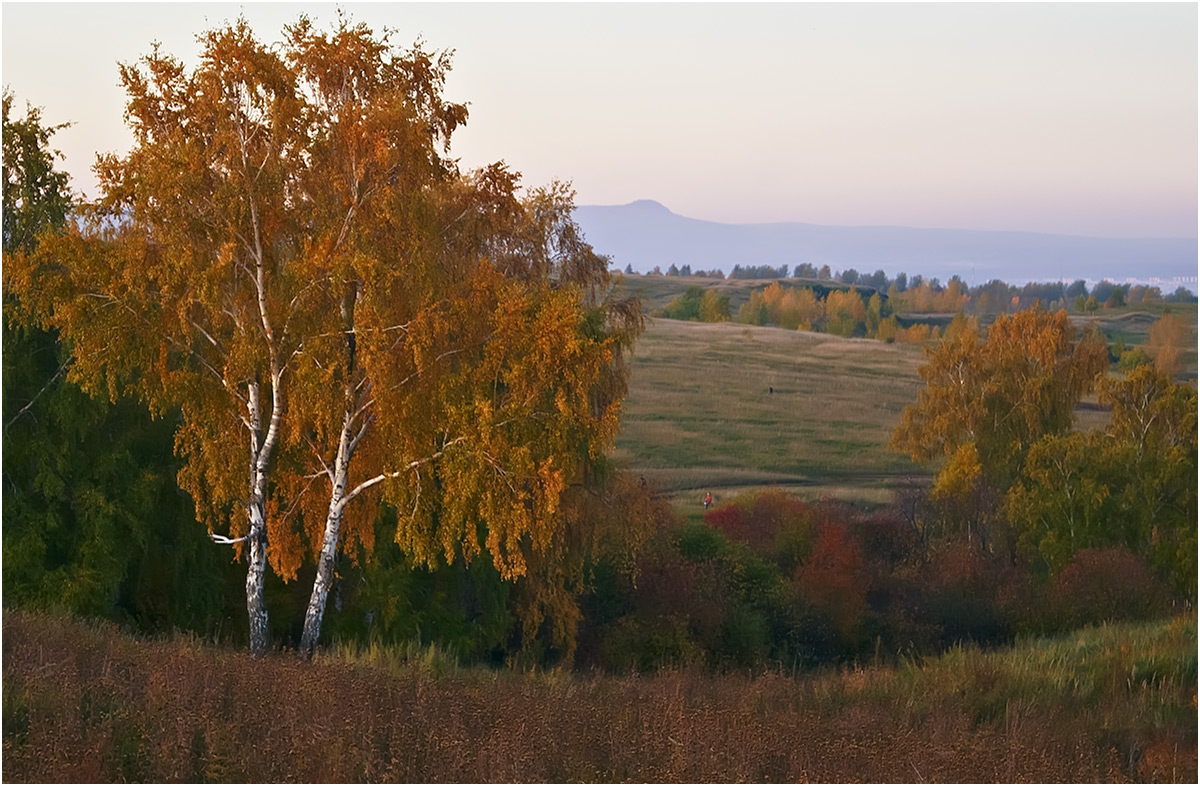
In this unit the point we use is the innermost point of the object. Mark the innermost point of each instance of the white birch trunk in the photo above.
(339, 476)
(256, 607)
(329, 543)
(260, 456)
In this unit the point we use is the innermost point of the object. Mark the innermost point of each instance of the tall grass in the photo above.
(85, 702)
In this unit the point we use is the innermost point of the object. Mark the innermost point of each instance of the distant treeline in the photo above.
(994, 297)
(887, 313)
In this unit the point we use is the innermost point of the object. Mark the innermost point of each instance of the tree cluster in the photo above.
(684, 270)
(1016, 478)
(841, 312)
(698, 304)
(758, 271)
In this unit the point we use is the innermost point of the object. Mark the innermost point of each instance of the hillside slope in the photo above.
(727, 405)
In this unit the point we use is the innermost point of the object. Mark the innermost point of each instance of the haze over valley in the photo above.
(646, 234)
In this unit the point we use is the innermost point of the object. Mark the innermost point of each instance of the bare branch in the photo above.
(45, 387)
(363, 408)
(412, 465)
(224, 541)
(204, 333)
(316, 452)
(362, 432)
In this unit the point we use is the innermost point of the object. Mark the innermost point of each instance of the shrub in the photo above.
(1104, 585)
(774, 524)
(962, 590)
(833, 581)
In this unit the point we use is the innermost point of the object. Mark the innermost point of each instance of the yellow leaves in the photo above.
(844, 310)
(960, 474)
(1167, 337)
(509, 373)
(1000, 395)
(789, 308)
(284, 251)
(282, 550)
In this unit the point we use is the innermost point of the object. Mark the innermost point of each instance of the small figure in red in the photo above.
(707, 499)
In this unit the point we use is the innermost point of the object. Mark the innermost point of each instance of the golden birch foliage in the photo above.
(1000, 395)
(888, 330)
(960, 474)
(1167, 337)
(779, 308)
(810, 310)
(156, 290)
(787, 307)
(845, 311)
(714, 307)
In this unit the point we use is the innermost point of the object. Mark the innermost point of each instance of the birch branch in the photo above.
(45, 387)
(366, 484)
(224, 541)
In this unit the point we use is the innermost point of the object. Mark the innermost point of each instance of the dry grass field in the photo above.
(87, 703)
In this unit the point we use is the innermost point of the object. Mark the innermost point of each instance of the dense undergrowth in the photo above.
(768, 581)
(86, 702)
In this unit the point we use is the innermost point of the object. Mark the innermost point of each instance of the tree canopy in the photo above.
(993, 399)
(1132, 484)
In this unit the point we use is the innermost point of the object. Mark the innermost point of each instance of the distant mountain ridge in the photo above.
(646, 234)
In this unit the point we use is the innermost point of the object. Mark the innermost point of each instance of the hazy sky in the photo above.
(1071, 118)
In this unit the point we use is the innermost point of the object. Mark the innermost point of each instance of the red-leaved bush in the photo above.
(833, 580)
(774, 524)
(1102, 585)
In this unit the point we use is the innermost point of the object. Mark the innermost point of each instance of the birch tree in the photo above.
(471, 350)
(290, 255)
(179, 284)
(985, 403)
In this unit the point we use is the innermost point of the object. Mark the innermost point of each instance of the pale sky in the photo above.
(1075, 118)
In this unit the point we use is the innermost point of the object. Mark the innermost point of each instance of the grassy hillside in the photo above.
(84, 702)
(701, 413)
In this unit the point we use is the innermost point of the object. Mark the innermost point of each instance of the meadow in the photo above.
(724, 406)
(86, 702)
